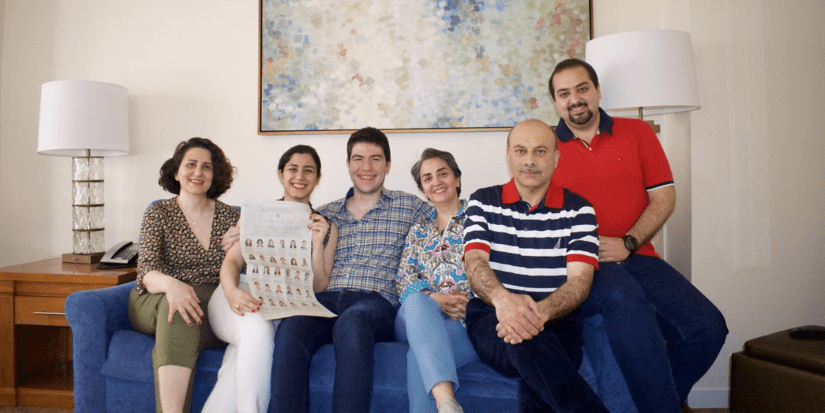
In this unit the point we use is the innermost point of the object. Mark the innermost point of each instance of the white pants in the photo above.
(244, 378)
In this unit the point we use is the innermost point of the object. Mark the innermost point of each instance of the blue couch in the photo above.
(113, 367)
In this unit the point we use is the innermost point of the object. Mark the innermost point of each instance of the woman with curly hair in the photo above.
(178, 267)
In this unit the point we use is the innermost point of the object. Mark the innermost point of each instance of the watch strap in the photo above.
(631, 243)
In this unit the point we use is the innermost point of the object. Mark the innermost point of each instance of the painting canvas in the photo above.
(401, 65)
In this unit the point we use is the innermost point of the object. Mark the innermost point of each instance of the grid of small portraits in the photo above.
(279, 272)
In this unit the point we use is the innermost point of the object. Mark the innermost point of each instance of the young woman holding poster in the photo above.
(244, 378)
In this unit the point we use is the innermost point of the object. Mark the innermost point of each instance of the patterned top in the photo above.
(530, 247)
(168, 245)
(432, 259)
(369, 249)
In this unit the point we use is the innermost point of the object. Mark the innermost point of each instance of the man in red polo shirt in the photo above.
(665, 334)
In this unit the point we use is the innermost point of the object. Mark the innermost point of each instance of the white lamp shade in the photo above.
(651, 69)
(77, 115)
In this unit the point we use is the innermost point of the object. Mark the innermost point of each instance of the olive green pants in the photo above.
(175, 344)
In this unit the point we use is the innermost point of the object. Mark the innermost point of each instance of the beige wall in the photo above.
(748, 222)
(190, 67)
(754, 161)
(757, 166)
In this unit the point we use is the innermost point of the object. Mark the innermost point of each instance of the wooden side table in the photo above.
(35, 338)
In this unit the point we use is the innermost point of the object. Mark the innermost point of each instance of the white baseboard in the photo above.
(708, 398)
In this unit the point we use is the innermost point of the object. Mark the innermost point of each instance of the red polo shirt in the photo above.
(623, 161)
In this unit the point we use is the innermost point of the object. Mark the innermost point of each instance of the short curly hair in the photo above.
(222, 170)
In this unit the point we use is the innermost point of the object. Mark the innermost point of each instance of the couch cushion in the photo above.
(130, 357)
(129, 376)
(482, 389)
(389, 381)
(124, 395)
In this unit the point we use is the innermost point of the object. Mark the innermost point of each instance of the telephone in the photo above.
(122, 255)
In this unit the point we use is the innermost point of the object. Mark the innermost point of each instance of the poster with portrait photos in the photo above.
(276, 244)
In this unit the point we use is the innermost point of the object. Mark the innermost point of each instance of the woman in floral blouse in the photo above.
(180, 256)
(433, 289)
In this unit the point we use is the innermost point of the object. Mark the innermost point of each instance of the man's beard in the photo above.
(582, 119)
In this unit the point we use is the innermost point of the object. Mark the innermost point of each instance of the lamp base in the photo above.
(83, 258)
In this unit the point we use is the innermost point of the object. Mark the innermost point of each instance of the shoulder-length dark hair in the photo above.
(221, 168)
(304, 149)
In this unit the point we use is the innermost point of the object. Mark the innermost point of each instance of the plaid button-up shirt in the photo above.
(369, 249)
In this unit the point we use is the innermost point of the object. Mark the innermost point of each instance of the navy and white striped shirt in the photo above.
(530, 248)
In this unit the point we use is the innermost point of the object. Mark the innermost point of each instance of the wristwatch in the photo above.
(631, 243)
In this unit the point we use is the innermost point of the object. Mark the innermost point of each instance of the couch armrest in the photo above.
(94, 316)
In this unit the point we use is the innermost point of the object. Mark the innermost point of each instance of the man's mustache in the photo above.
(529, 169)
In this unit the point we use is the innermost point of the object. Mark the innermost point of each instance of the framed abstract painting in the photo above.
(407, 66)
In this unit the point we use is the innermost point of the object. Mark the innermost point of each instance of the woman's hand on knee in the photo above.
(182, 299)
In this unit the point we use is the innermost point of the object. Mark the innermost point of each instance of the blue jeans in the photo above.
(548, 364)
(664, 333)
(364, 318)
(438, 346)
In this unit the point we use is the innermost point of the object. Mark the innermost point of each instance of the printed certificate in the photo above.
(277, 248)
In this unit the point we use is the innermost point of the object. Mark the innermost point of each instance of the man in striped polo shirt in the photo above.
(530, 251)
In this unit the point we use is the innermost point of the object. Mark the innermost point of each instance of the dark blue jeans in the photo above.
(364, 318)
(664, 333)
(548, 363)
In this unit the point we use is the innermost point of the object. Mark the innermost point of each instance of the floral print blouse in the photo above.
(432, 259)
(168, 245)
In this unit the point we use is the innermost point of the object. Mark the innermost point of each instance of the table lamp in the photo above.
(87, 121)
(648, 72)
